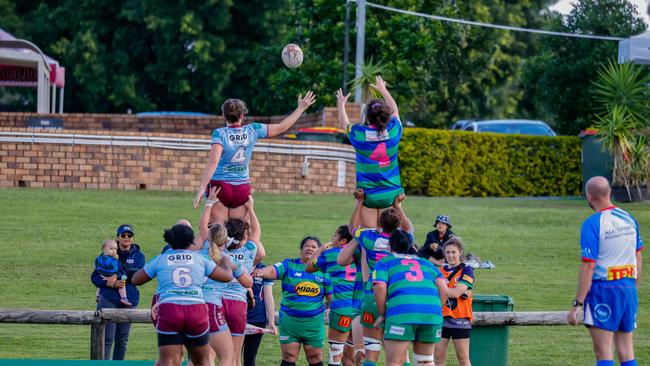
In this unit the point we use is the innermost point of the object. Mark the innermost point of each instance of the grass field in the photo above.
(49, 239)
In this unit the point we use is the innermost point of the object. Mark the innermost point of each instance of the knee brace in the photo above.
(336, 349)
(287, 363)
(423, 360)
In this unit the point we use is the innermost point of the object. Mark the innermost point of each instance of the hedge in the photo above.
(459, 163)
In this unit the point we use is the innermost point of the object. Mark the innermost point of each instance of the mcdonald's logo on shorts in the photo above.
(345, 321)
(368, 317)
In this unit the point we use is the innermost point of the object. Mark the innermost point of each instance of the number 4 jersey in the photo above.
(237, 142)
(377, 166)
(181, 274)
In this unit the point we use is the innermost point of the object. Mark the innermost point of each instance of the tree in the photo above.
(558, 79)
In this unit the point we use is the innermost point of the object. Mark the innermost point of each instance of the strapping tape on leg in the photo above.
(372, 344)
(336, 349)
(423, 360)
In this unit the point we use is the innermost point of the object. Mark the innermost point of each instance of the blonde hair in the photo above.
(217, 238)
(108, 241)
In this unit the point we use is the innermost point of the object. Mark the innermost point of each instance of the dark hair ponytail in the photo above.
(233, 110)
(179, 236)
(344, 233)
(400, 242)
(378, 114)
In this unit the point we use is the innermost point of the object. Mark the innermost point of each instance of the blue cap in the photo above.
(126, 228)
(444, 219)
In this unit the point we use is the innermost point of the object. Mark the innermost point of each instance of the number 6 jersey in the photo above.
(181, 274)
(237, 142)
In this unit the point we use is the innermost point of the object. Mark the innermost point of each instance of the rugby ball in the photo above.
(292, 56)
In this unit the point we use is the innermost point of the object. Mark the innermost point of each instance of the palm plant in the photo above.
(369, 70)
(623, 92)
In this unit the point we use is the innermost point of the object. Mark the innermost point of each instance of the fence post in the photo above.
(97, 337)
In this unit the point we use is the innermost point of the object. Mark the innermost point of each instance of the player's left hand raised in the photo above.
(306, 101)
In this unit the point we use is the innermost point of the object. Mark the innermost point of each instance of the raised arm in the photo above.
(285, 124)
(311, 266)
(380, 86)
(204, 220)
(255, 230)
(346, 256)
(406, 223)
(213, 161)
(341, 100)
(355, 219)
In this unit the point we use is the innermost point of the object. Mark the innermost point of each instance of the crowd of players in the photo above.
(371, 284)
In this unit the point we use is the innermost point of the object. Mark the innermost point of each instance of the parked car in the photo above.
(461, 123)
(516, 126)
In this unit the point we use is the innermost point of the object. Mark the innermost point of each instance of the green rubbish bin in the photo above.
(488, 345)
(595, 159)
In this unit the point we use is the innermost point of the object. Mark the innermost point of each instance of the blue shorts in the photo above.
(612, 305)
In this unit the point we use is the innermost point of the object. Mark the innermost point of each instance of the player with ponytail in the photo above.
(376, 144)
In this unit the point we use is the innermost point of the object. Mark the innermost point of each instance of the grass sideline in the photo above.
(49, 239)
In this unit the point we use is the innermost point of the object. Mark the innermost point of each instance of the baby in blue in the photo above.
(108, 266)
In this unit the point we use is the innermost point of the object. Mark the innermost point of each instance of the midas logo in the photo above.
(620, 272)
(307, 289)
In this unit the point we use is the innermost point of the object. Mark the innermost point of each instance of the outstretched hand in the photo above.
(398, 200)
(307, 101)
(379, 85)
(197, 198)
(341, 99)
(249, 204)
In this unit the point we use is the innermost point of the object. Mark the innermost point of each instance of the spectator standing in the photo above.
(132, 260)
(611, 269)
(432, 248)
(262, 315)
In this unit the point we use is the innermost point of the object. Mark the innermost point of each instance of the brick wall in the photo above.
(95, 166)
(167, 124)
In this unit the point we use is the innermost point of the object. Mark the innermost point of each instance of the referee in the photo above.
(611, 268)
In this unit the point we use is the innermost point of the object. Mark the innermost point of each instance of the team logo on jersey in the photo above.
(382, 244)
(620, 272)
(307, 289)
(374, 136)
(602, 312)
(237, 256)
(180, 259)
(238, 138)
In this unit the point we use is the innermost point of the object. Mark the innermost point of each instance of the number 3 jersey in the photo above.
(610, 238)
(377, 166)
(181, 274)
(411, 293)
(237, 142)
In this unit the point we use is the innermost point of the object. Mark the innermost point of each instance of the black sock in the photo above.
(287, 363)
(320, 363)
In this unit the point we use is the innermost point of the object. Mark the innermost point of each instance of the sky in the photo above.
(564, 7)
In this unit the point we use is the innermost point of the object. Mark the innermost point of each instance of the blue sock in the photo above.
(605, 363)
(629, 363)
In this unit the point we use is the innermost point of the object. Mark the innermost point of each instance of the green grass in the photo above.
(49, 239)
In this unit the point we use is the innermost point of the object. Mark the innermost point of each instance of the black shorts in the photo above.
(455, 333)
(181, 339)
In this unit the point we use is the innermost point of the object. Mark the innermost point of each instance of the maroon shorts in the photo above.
(216, 319)
(190, 320)
(235, 312)
(230, 195)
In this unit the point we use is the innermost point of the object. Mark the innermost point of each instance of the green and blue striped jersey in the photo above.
(303, 293)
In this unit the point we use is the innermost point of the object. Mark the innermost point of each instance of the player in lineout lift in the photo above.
(376, 143)
(230, 155)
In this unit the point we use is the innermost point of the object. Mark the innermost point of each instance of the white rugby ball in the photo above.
(292, 56)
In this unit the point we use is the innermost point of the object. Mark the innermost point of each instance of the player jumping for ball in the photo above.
(230, 155)
(376, 144)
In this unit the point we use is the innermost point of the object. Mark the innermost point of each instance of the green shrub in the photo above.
(458, 163)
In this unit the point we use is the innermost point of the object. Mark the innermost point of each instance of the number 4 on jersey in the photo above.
(379, 155)
(240, 156)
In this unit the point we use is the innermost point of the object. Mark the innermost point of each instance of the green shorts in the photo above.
(369, 312)
(383, 199)
(425, 333)
(342, 323)
(309, 331)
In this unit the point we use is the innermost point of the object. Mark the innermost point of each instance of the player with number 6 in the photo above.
(376, 144)
(230, 155)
